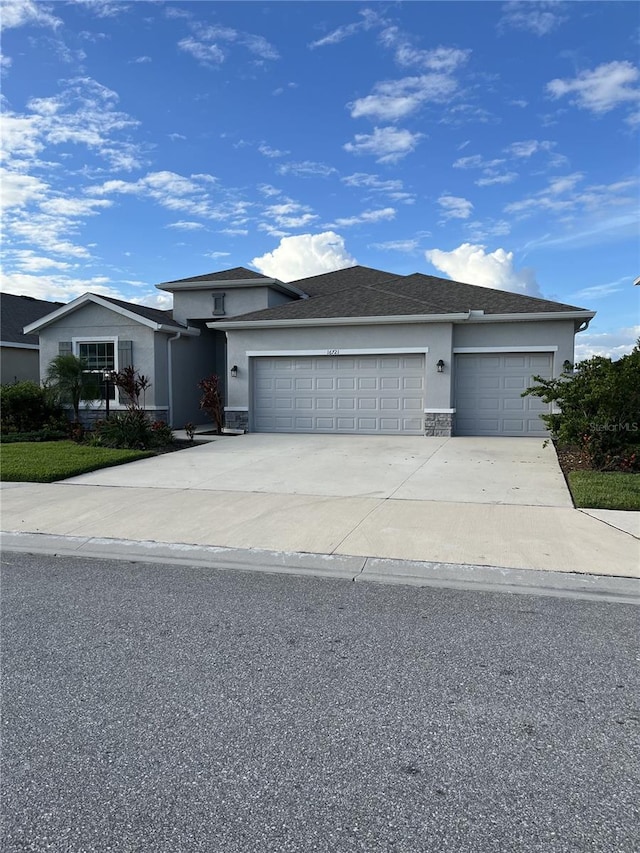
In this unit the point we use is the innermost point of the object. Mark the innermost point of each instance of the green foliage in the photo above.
(605, 490)
(599, 406)
(27, 407)
(36, 435)
(190, 430)
(68, 378)
(131, 429)
(211, 401)
(131, 385)
(49, 461)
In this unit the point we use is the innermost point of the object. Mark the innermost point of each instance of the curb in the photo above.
(356, 569)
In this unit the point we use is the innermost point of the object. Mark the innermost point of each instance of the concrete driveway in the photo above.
(515, 471)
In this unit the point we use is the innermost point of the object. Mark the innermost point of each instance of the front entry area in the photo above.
(488, 389)
(366, 394)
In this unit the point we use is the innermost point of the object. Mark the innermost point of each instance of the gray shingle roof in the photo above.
(406, 295)
(157, 315)
(350, 277)
(235, 274)
(16, 312)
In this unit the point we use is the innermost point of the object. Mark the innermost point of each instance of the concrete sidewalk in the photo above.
(552, 539)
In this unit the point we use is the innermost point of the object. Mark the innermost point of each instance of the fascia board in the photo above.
(538, 315)
(237, 283)
(87, 298)
(16, 345)
(339, 321)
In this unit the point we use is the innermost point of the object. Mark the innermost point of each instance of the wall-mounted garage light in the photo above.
(234, 370)
(440, 365)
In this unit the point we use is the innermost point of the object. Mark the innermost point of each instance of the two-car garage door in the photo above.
(367, 394)
(488, 393)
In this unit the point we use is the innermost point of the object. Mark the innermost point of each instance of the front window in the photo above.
(100, 359)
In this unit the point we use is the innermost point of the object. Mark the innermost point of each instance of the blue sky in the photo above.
(494, 143)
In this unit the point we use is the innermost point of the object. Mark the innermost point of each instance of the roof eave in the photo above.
(85, 299)
(208, 284)
(458, 317)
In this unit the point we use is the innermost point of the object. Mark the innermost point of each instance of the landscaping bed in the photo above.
(593, 489)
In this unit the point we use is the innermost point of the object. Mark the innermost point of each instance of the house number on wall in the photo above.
(333, 352)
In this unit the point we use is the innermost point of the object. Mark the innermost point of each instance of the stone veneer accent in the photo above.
(438, 423)
(236, 420)
(88, 417)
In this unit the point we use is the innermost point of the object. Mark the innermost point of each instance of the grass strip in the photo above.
(605, 490)
(48, 461)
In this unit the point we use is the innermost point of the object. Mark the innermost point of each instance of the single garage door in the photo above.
(487, 393)
(342, 394)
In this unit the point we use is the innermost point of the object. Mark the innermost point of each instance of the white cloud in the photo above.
(185, 225)
(394, 99)
(611, 344)
(206, 54)
(141, 60)
(539, 18)
(386, 144)
(305, 255)
(476, 161)
(369, 19)
(217, 255)
(28, 261)
(269, 191)
(18, 190)
(103, 8)
(391, 187)
(19, 13)
(397, 246)
(600, 291)
(379, 215)
(472, 264)
(290, 214)
(502, 178)
(56, 286)
(454, 207)
(206, 45)
(74, 207)
(562, 195)
(268, 151)
(528, 147)
(306, 169)
(608, 86)
(441, 59)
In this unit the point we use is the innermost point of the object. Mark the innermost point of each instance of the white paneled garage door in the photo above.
(343, 394)
(487, 393)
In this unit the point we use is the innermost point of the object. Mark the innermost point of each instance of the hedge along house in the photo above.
(366, 351)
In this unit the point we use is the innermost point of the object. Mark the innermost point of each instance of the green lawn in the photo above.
(605, 490)
(47, 461)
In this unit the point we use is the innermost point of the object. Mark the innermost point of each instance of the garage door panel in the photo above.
(370, 394)
(488, 389)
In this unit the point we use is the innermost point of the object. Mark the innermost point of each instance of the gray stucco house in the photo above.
(20, 353)
(358, 350)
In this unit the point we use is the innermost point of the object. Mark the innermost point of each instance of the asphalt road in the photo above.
(169, 709)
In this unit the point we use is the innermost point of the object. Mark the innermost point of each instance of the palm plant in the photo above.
(68, 377)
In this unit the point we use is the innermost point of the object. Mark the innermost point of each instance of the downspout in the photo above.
(170, 373)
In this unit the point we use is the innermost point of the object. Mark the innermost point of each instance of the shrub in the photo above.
(131, 385)
(27, 407)
(211, 401)
(599, 405)
(131, 430)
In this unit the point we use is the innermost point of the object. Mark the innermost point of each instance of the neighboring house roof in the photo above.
(154, 318)
(403, 296)
(18, 311)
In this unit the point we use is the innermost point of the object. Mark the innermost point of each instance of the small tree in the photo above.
(211, 401)
(599, 405)
(69, 379)
(131, 385)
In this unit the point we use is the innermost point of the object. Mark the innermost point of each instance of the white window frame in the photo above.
(100, 339)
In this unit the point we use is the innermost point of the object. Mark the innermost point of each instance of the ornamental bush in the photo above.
(131, 430)
(599, 409)
(26, 407)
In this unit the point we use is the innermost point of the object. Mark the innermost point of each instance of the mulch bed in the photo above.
(572, 459)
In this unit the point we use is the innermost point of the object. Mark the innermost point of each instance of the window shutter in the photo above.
(65, 348)
(125, 354)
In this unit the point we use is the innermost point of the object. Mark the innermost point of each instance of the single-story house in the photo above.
(357, 350)
(20, 353)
